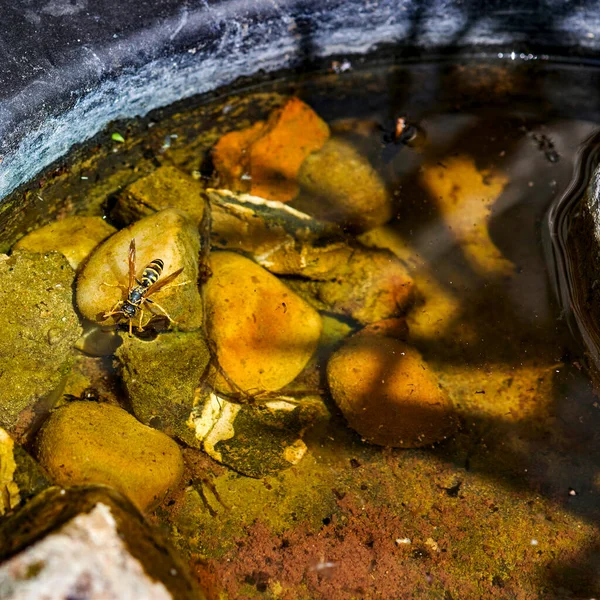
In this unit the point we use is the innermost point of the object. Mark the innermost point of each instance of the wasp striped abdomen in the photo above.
(132, 306)
(152, 273)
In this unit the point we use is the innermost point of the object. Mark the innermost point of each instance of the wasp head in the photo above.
(129, 310)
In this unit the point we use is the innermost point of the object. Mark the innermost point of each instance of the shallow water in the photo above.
(508, 507)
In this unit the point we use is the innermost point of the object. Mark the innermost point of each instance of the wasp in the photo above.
(90, 394)
(139, 290)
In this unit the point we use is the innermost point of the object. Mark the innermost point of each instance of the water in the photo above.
(508, 507)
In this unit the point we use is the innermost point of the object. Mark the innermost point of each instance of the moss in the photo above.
(39, 328)
(160, 379)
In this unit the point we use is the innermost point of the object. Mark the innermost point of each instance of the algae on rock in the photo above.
(160, 379)
(20, 475)
(39, 328)
(258, 438)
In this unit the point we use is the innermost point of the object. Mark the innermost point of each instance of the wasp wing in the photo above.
(158, 285)
(131, 263)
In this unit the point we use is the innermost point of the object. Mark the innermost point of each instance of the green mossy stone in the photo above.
(258, 438)
(39, 328)
(167, 187)
(160, 378)
(87, 442)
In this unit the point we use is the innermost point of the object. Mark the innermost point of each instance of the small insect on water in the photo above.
(139, 291)
(90, 394)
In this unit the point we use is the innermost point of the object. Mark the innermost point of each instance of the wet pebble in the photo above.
(388, 393)
(263, 332)
(88, 442)
(74, 237)
(338, 184)
(168, 235)
(166, 187)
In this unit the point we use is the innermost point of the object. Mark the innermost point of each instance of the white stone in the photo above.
(86, 558)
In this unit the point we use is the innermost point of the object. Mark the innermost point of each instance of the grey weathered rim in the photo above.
(70, 69)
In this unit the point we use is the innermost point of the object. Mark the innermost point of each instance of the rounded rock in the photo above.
(338, 184)
(264, 333)
(168, 235)
(74, 237)
(86, 442)
(388, 394)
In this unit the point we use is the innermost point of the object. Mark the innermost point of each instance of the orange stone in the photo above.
(271, 153)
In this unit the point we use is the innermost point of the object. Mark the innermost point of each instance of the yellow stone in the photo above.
(11, 496)
(88, 442)
(74, 237)
(104, 281)
(338, 184)
(264, 333)
(464, 196)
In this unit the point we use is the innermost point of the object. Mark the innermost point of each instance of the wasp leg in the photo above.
(119, 285)
(162, 310)
(113, 310)
(141, 320)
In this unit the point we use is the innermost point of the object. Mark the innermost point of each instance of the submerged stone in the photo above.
(20, 475)
(368, 285)
(388, 393)
(258, 438)
(161, 377)
(166, 187)
(465, 196)
(168, 235)
(88, 542)
(264, 159)
(39, 328)
(264, 333)
(278, 237)
(339, 184)
(74, 237)
(88, 442)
